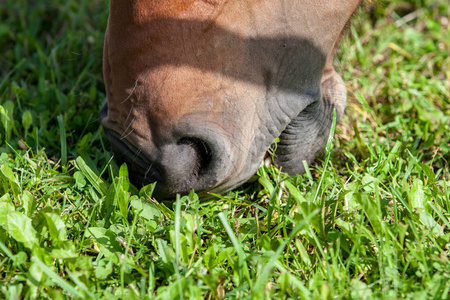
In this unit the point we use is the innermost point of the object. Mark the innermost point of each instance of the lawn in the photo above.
(369, 220)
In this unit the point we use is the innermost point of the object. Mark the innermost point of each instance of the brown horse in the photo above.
(198, 90)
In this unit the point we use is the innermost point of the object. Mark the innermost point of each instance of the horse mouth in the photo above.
(142, 170)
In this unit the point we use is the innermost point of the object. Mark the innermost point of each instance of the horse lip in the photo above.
(103, 111)
(133, 156)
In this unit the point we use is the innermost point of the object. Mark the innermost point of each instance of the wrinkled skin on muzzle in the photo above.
(197, 91)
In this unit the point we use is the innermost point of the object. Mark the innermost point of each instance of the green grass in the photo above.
(370, 221)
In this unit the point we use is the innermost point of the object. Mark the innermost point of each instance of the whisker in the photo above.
(148, 170)
(124, 136)
(136, 154)
(132, 91)
(129, 113)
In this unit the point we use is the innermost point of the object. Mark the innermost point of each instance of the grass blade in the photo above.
(99, 184)
(328, 150)
(242, 265)
(56, 279)
(63, 139)
(258, 287)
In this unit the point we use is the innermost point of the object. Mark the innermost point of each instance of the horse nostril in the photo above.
(203, 151)
(182, 164)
